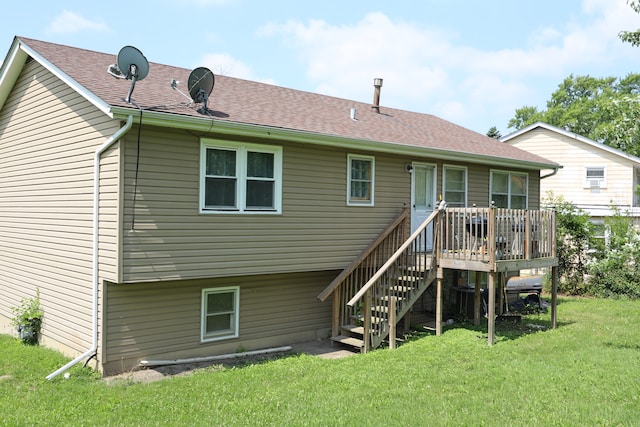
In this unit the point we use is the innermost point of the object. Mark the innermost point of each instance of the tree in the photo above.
(524, 117)
(632, 37)
(493, 132)
(605, 109)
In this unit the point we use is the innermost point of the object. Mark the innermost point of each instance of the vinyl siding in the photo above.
(47, 138)
(166, 238)
(574, 156)
(316, 230)
(162, 320)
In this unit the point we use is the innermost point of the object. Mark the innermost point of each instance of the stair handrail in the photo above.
(364, 254)
(382, 270)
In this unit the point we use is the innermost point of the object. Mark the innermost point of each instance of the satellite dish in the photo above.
(131, 65)
(200, 85)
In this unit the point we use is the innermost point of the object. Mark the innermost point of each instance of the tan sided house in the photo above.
(594, 176)
(158, 227)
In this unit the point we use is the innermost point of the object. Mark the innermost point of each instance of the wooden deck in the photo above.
(498, 240)
(378, 288)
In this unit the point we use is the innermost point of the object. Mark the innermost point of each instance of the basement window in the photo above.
(220, 313)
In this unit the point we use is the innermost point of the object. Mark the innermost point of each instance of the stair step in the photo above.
(353, 329)
(420, 268)
(409, 279)
(374, 320)
(387, 298)
(401, 289)
(380, 309)
(350, 341)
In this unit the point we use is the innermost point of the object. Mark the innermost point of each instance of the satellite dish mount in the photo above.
(200, 84)
(132, 65)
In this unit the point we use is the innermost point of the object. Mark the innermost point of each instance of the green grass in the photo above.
(585, 372)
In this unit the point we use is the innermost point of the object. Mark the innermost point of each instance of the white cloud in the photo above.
(344, 60)
(226, 65)
(429, 69)
(71, 22)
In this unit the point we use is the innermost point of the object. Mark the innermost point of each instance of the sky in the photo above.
(472, 62)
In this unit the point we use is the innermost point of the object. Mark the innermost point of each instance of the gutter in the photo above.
(94, 276)
(230, 128)
(555, 171)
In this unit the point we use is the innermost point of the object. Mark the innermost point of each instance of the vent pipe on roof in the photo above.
(377, 84)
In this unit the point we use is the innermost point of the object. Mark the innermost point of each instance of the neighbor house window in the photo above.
(220, 317)
(595, 177)
(509, 189)
(240, 178)
(454, 180)
(360, 182)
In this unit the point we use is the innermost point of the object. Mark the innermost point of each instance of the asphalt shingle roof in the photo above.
(249, 102)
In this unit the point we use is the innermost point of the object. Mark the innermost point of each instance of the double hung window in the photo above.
(509, 189)
(455, 185)
(220, 313)
(360, 182)
(240, 178)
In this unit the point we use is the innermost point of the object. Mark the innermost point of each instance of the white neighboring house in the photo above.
(593, 176)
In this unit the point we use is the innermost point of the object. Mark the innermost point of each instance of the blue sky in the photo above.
(471, 62)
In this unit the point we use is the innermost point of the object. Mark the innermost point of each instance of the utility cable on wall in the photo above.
(135, 178)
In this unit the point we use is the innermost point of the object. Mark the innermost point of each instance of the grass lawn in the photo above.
(585, 372)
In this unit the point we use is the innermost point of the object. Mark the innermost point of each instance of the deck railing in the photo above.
(495, 234)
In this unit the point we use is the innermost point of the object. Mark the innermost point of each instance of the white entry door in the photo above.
(423, 197)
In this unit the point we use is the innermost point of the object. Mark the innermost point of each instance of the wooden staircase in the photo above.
(401, 294)
(379, 288)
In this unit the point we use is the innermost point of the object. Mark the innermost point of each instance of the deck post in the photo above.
(491, 310)
(392, 323)
(366, 336)
(439, 302)
(501, 286)
(477, 301)
(554, 296)
(335, 313)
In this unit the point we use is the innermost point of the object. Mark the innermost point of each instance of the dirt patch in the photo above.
(320, 348)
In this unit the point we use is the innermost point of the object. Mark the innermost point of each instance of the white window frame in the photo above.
(361, 202)
(509, 194)
(241, 149)
(466, 183)
(595, 183)
(235, 328)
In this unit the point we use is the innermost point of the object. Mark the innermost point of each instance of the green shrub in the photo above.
(615, 272)
(573, 237)
(27, 318)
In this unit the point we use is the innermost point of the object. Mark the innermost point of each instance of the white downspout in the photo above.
(94, 277)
